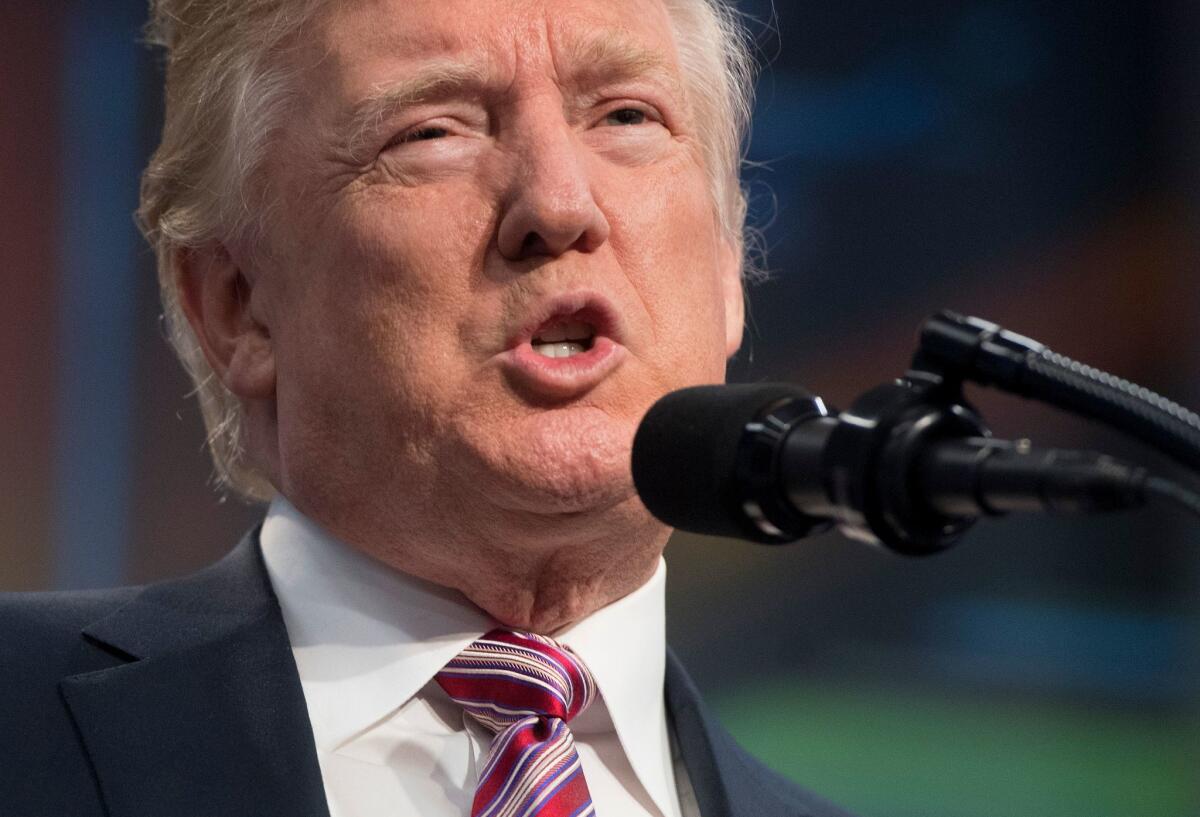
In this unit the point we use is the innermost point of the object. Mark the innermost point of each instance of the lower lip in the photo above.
(563, 377)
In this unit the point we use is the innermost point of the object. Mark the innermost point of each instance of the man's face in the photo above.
(469, 191)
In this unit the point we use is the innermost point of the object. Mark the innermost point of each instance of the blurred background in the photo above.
(1034, 163)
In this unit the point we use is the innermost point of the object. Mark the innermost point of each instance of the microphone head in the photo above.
(687, 453)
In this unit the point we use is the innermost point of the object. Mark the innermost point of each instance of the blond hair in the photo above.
(227, 90)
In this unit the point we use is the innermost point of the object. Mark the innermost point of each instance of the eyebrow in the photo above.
(437, 80)
(595, 61)
(600, 60)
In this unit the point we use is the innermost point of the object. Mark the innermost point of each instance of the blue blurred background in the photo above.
(1034, 163)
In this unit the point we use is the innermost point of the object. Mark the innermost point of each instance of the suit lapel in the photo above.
(207, 716)
(727, 781)
(707, 765)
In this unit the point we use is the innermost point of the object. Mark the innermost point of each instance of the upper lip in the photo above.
(585, 306)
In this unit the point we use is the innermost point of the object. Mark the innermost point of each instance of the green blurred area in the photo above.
(884, 753)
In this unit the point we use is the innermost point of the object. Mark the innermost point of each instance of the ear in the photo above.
(219, 301)
(732, 287)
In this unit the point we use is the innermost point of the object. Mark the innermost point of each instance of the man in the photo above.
(429, 262)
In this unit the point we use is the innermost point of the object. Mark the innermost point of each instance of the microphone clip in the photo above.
(873, 451)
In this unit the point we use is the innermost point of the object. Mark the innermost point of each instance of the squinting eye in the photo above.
(626, 116)
(420, 135)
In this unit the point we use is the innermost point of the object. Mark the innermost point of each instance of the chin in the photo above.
(560, 461)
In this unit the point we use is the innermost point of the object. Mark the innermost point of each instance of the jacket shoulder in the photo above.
(49, 627)
(761, 778)
(43, 629)
(726, 779)
(41, 642)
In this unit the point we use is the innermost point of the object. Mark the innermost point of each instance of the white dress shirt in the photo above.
(368, 641)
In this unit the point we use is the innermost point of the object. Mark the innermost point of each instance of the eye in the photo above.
(626, 116)
(422, 134)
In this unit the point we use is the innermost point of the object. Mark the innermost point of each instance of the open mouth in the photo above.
(564, 337)
(571, 343)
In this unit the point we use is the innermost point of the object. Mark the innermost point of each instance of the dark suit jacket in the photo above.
(182, 698)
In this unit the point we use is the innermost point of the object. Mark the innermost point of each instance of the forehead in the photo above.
(364, 41)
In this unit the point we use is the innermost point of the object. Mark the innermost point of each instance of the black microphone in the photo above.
(905, 467)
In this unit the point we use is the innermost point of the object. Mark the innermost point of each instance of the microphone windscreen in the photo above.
(685, 456)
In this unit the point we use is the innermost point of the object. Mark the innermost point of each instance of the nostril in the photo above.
(531, 241)
(526, 231)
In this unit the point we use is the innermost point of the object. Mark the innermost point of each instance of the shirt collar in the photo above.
(624, 646)
(367, 638)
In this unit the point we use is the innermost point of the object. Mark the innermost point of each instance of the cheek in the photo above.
(394, 264)
(376, 307)
(667, 238)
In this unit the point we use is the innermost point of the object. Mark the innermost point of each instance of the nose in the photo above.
(550, 208)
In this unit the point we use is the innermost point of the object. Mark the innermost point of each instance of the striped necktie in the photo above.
(524, 688)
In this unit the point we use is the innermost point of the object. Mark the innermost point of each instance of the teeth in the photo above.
(573, 330)
(565, 349)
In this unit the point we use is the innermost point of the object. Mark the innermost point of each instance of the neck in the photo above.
(547, 591)
(536, 572)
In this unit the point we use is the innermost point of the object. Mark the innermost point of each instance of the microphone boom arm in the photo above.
(964, 348)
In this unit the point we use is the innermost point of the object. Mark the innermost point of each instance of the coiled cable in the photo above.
(1085, 390)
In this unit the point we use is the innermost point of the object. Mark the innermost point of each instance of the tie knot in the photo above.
(507, 676)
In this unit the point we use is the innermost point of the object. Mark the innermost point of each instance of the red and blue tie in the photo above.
(525, 688)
